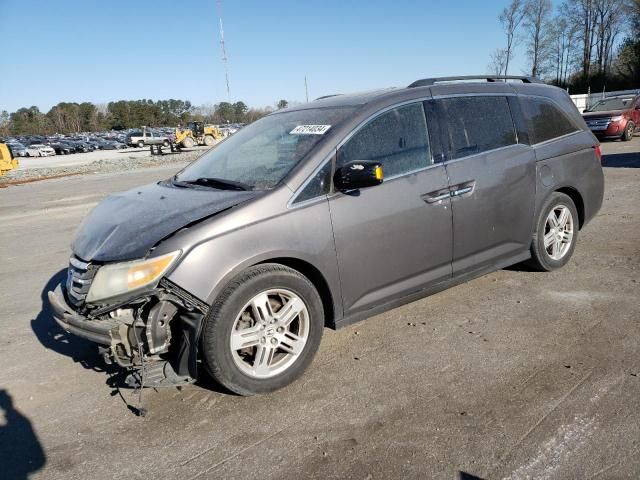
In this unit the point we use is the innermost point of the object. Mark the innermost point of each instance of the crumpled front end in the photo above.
(154, 333)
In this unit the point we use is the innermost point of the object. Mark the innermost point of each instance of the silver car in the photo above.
(324, 214)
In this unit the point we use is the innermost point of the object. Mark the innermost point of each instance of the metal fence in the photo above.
(586, 100)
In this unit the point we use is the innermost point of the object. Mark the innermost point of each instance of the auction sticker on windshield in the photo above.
(310, 130)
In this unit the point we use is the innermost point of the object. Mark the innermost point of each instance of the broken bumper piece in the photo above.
(95, 330)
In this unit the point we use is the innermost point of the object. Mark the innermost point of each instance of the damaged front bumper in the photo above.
(155, 335)
(71, 322)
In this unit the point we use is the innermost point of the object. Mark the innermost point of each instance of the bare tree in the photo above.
(536, 24)
(497, 62)
(510, 18)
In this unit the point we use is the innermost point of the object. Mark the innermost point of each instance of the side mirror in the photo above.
(358, 174)
(585, 110)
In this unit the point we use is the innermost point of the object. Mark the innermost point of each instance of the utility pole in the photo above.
(224, 51)
(306, 89)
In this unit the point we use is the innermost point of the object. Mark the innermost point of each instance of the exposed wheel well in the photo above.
(318, 280)
(577, 199)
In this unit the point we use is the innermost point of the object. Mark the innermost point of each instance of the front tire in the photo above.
(263, 330)
(140, 144)
(556, 233)
(209, 141)
(188, 142)
(627, 135)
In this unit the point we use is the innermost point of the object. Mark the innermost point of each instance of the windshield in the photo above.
(260, 155)
(611, 104)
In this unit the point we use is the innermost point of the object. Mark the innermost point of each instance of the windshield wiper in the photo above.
(218, 183)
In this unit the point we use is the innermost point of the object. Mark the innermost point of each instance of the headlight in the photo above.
(617, 119)
(119, 278)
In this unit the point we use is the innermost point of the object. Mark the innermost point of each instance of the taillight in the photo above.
(598, 152)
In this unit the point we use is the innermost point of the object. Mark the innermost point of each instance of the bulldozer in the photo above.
(7, 160)
(197, 133)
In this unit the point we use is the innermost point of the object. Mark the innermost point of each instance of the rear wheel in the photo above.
(628, 132)
(165, 143)
(209, 141)
(140, 144)
(263, 330)
(556, 233)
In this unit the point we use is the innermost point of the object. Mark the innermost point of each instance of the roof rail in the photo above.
(425, 82)
(328, 96)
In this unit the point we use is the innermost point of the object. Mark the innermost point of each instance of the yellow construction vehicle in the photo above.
(197, 133)
(7, 161)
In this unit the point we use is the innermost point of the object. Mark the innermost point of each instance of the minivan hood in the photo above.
(125, 226)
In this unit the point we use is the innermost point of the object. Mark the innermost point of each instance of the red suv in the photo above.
(614, 117)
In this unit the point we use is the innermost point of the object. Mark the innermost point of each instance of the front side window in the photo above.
(318, 185)
(544, 120)
(259, 156)
(476, 124)
(397, 139)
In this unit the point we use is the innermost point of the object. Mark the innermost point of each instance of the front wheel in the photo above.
(556, 233)
(263, 330)
(140, 144)
(627, 135)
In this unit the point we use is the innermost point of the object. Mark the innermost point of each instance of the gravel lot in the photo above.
(100, 161)
(513, 375)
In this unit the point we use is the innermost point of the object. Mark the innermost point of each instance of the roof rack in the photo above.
(328, 96)
(426, 82)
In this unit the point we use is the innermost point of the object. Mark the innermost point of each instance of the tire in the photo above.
(188, 142)
(556, 254)
(165, 143)
(140, 144)
(209, 141)
(627, 135)
(236, 309)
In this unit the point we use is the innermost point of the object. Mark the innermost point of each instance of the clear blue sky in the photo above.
(98, 51)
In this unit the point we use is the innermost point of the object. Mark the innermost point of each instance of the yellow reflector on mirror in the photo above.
(379, 175)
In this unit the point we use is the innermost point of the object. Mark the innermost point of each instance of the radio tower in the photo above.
(224, 51)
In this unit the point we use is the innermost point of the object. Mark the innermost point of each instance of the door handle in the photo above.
(461, 191)
(436, 196)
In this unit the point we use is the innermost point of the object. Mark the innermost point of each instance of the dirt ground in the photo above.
(514, 375)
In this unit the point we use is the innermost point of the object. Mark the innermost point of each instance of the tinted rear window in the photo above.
(477, 124)
(544, 120)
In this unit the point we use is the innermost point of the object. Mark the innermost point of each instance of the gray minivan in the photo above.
(324, 214)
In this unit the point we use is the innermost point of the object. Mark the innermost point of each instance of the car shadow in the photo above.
(621, 160)
(84, 352)
(23, 453)
(467, 476)
(81, 351)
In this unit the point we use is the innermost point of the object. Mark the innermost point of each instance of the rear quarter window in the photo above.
(544, 120)
(476, 124)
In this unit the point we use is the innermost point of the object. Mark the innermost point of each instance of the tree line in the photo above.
(580, 44)
(71, 117)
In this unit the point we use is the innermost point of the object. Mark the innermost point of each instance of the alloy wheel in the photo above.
(558, 232)
(270, 333)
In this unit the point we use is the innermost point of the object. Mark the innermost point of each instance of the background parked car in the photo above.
(61, 148)
(614, 117)
(40, 150)
(17, 149)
